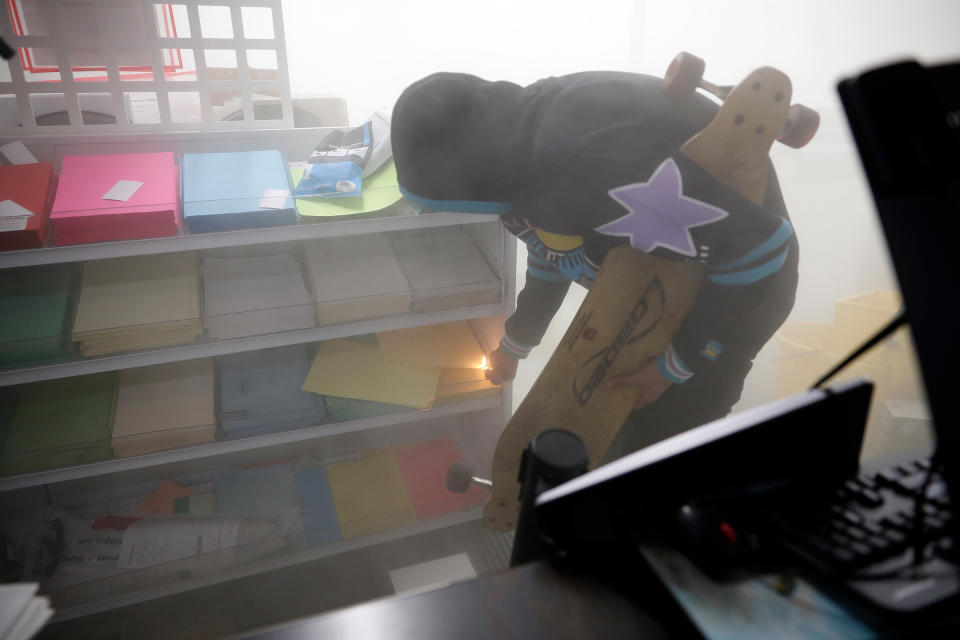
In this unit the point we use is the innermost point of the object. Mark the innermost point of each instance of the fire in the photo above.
(484, 365)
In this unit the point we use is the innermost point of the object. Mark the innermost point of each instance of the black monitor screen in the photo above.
(905, 119)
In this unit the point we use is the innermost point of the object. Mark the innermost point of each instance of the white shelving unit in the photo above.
(473, 424)
(486, 415)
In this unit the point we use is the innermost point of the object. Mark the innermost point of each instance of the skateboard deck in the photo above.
(636, 303)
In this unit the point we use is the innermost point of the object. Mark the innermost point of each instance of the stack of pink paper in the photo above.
(115, 197)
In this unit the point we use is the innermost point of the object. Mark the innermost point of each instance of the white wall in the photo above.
(369, 52)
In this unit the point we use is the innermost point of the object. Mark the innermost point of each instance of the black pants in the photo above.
(701, 399)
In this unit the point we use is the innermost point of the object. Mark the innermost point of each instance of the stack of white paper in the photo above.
(446, 270)
(356, 278)
(138, 303)
(22, 612)
(163, 407)
(254, 295)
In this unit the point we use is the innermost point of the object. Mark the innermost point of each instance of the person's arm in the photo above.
(537, 303)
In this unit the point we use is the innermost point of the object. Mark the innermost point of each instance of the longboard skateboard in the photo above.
(636, 302)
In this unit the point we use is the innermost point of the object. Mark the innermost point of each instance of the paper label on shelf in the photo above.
(150, 542)
(123, 190)
(10, 209)
(13, 217)
(17, 153)
(274, 199)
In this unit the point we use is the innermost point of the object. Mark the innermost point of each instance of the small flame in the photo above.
(484, 365)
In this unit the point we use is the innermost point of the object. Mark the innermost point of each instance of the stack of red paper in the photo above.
(23, 191)
(116, 197)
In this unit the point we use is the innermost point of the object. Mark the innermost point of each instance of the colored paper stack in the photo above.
(446, 270)
(424, 468)
(34, 305)
(413, 368)
(259, 392)
(254, 295)
(164, 406)
(240, 190)
(356, 278)
(23, 205)
(370, 495)
(115, 197)
(58, 423)
(138, 303)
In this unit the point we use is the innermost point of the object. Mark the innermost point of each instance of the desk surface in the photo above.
(535, 601)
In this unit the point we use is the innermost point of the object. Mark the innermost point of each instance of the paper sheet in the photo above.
(356, 370)
(10, 209)
(355, 278)
(162, 498)
(115, 194)
(17, 153)
(449, 344)
(254, 296)
(140, 291)
(424, 468)
(433, 574)
(150, 542)
(460, 384)
(369, 495)
(164, 406)
(123, 190)
(751, 609)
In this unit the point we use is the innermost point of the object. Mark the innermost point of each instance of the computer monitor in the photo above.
(813, 438)
(905, 119)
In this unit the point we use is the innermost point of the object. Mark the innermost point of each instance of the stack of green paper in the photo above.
(33, 311)
(344, 409)
(58, 423)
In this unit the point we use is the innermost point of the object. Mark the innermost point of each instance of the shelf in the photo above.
(243, 444)
(264, 565)
(218, 240)
(236, 345)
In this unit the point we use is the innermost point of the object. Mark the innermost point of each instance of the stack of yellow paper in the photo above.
(138, 303)
(370, 495)
(414, 367)
(458, 385)
(163, 407)
(349, 369)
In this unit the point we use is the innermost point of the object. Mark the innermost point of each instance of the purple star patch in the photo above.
(660, 215)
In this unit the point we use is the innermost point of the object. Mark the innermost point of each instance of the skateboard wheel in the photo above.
(801, 126)
(683, 75)
(458, 477)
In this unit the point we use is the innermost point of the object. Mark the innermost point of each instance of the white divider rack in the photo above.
(129, 31)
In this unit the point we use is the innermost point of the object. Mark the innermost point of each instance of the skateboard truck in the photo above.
(685, 75)
(460, 477)
(552, 457)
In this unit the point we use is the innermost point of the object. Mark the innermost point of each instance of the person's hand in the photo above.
(648, 378)
(502, 367)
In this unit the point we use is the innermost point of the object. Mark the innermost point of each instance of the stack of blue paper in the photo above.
(320, 522)
(239, 190)
(260, 392)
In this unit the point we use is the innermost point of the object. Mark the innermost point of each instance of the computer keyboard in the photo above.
(867, 537)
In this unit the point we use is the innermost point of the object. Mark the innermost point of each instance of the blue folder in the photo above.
(224, 191)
